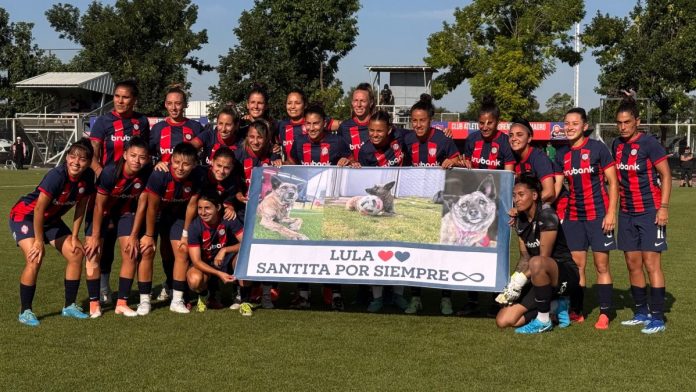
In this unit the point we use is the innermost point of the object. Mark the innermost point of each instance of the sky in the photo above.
(391, 32)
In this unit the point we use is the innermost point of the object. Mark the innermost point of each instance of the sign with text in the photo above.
(410, 226)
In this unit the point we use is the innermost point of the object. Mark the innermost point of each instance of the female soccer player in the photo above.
(544, 258)
(354, 130)
(591, 216)
(225, 133)
(427, 146)
(171, 206)
(118, 204)
(645, 183)
(532, 160)
(257, 105)
(174, 129)
(213, 244)
(488, 148)
(109, 136)
(36, 219)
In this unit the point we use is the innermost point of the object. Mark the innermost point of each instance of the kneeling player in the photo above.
(213, 245)
(544, 257)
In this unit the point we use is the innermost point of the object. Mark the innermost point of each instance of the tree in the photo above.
(557, 106)
(286, 44)
(652, 51)
(505, 48)
(148, 40)
(20, 59)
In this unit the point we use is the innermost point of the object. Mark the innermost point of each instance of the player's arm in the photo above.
(191, 212)
(37, 248)
(609, 221)
(152, 207)
(523, 262)
(558, 179)
(665, 191)
(546, 241)
(92, 242)
(96, 158)
(78, 217)
(548, 189)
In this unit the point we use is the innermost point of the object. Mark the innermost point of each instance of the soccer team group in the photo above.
(187, 185)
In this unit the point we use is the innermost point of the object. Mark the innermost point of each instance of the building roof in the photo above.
(400, 68)
(100, 82)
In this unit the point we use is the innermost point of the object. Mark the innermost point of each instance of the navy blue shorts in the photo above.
(122, 225)
(640, 233)
(172, 226)
(581, 235)
(25, 229)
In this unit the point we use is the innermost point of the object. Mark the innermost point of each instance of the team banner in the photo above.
(410, 226)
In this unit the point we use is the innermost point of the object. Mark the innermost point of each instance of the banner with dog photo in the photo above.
(409, 226)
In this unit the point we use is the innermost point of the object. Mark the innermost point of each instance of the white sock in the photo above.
(398, 290)
(377, 291)
(304, 294)
(177, 296)
(543, 317)
(144, 298)
(336, 295)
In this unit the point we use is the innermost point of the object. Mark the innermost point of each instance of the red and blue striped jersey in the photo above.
(639, 182)
(491, 154)
(227, 188)
(431, 152)
(175, 193)
(63, 191)
(584, 167)
(213, 238)
(247, 160)
(123, 191)
(327, 151)
(113, 131)
(354, 134)
(165, 135)
(535, 162)
(288, 131)
(390, 155)
(211, 141)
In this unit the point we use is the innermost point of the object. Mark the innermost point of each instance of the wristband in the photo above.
(184, 233)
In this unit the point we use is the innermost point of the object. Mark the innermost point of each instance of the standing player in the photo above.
(174, 129)
(532, 160)
(109, 136)
(36, 219)
(591, 215)
(488, 148)
(354, 130)
(213, 245)
(119, 204)
(544, 259)
(171, 206)
(223, 134)
(428, 147)
(686, 161)
(645, 183)
(257, 109)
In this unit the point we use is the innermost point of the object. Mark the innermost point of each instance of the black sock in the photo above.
(542, 297)
(124, 286)
(179, 285)
(168, 267)
(145, 287)
(446, 293)
(303, 286)
(640, 297)
(93, 289)
(657, 302)
(473, 296)
(204, 293)
(604, 292)
(416, 291)
(107, 256)
(71, 287)
(245, 293)
(213, 287)
(530, 315)
(577, 299)
(26, 296)
(335, 288)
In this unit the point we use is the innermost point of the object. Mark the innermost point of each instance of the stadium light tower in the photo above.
(577, 67)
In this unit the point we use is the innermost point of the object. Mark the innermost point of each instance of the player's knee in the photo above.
(536, 264)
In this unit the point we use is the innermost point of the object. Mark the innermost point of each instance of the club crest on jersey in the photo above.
(634, 151)
(221, 231)
(81, 190)
(136, 126)
(24, 229)
(187, 136)
(585, 157)
(395, 146)
(187, 189)
(324, 151)
(137, 185)
(432, 151)
(494, 150)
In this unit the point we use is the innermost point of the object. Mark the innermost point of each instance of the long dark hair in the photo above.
(532, 183)
(488, 106)
(264, 129)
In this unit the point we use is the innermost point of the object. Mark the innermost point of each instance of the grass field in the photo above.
(321, 350)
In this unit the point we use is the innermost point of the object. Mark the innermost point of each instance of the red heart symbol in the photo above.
(385, 254)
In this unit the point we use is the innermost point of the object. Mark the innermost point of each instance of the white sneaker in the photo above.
(237, 303)
(179, 307)
(126, 311)
(95, 312)
(144, 308)
(165, 294)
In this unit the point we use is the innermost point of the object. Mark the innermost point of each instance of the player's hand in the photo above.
(662, 217)
(450, 163)
(36, 252)
(277, 163)
(92, 248)
(147, 242)
(447, 132)
(76, 245)
(132, 247)
(465, 162)
(512, 213)
(230, 213)
(343, 162)
(355, 164)
(226, 278)
(608, 223)
(220, 257)
(276, 149)
(162, 166)
(240, 196)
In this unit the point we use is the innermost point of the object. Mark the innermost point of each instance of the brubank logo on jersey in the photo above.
(214, 246)
(576, 171)
(356, 146)
(623, 166)
(488, 162)
(534, 244)
(123, 138)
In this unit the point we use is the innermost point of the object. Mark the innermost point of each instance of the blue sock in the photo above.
(640, 297)
(124, 286)
(93, 289)
(71, 288)
(26, 296)
(604, 292)
(657, 302)
(145, 287)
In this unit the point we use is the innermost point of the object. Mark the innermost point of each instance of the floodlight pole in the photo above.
(577, 66)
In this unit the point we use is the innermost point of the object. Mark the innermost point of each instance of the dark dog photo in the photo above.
(383, 192)
(469, 216)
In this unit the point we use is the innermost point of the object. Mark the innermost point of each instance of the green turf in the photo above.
(321, 350)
